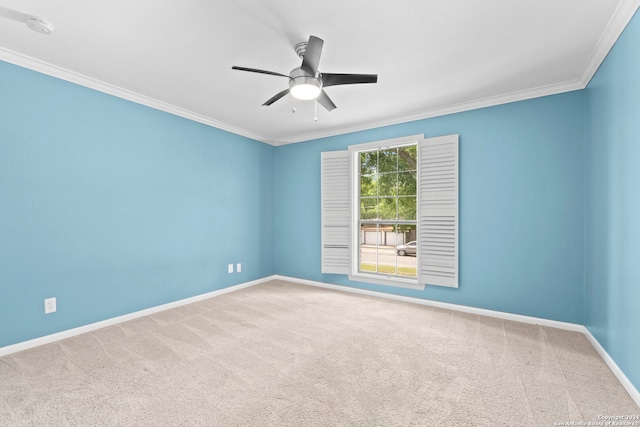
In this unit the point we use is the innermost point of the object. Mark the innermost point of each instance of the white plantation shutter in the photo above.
(438, 211)
(336, 212)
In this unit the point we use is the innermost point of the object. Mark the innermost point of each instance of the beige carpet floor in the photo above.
(281, 354)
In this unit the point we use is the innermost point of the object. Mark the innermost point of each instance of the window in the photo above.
(390, 212)
(386, 213)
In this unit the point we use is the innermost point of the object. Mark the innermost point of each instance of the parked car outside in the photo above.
(408, 249)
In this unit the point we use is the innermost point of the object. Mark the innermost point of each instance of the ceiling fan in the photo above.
(38, 25)
(306, 82)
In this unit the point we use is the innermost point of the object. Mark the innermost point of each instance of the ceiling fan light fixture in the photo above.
(305, 88)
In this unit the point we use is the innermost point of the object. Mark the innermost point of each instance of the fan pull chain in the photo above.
(294, 105)
(315, 105)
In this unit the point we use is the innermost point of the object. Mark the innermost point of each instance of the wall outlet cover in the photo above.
(50, 305)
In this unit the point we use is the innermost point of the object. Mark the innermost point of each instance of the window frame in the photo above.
(377, 278)
(438, 227)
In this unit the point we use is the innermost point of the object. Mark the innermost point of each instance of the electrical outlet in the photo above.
(239, 267)
(230, 268)
(50, 305)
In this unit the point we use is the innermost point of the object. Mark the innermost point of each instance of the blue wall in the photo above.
(113, 207)
(521, 206)
(613, 203)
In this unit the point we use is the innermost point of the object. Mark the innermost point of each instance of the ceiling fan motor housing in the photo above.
(298, 72)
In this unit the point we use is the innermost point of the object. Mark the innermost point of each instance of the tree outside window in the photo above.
(387, 213)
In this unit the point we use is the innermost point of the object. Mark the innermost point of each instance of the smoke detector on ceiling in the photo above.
(39, 26)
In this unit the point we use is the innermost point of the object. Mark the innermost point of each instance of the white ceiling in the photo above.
(433, 57)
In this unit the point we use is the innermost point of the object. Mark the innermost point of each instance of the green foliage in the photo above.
(388, 184)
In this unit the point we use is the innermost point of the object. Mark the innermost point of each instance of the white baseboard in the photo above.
(629, 387)
(463, 308)
(124, 318)
(633, 392)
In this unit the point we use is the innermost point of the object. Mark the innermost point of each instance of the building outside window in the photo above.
(387, 211)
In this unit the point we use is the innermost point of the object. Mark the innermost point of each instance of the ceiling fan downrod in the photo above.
(301, 49)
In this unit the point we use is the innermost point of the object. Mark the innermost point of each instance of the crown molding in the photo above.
(91, 83)
(618, 22)
(623, 14)
(443, 111)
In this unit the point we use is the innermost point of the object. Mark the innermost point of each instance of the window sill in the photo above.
(387, 281)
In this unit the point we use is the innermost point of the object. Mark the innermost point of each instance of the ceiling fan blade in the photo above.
(276, 97)
(331, 79)
(255, 70)
(14, 14)
(325, 101)
(312, 54)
